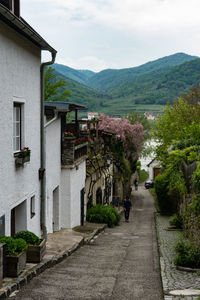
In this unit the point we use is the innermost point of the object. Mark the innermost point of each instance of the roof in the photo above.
(154, 160)
(22, 27)
(61, 106)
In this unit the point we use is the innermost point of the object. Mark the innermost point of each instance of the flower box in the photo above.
(15, 264)
(35, 253)
(23, 156)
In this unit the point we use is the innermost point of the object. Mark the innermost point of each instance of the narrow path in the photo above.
(121, 264)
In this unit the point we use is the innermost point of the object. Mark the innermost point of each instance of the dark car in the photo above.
(148, 184)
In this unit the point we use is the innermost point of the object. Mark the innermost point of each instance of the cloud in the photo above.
(86, 62)
(114, 33)
(139, 15)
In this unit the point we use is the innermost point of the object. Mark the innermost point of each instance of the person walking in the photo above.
(127, 207)
(136, 184)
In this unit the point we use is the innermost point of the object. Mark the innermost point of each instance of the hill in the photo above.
(81, 94)
(119, 91)
(109, 79)
(81, 76)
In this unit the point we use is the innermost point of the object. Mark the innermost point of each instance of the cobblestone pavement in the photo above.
(172, 278)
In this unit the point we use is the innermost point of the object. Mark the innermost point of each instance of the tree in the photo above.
(180, 121)
(130, 135)
(55, 88)
(136, 118)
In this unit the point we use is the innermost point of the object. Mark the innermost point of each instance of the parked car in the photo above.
(148, 184)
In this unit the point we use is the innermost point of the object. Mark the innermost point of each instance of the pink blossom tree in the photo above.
(131, 135)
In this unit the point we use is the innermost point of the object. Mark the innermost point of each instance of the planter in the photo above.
(15, 264)
(20, 161)
(35, 253)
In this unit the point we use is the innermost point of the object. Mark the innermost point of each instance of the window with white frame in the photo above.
(17, 127)
(32, 206)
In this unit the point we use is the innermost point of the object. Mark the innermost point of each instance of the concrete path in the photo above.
(121, 263)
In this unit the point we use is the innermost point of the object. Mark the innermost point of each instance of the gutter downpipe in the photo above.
(42, 170)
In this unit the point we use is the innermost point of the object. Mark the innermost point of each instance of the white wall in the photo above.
(72, 182)
(154, 164)
(53, 168)
(19, 79)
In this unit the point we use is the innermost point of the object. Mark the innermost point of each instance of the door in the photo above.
(156, 172)
(12, 222)
(56, 209)
(99, 196)
(82, 206)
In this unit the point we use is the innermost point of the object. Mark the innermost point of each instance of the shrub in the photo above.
(28, 236)
(167, 200)
(13, 246)
(176, 221)
(103, 214)
(143, 175)
(187, 254)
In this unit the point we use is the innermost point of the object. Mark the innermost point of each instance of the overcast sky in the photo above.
(100, 34)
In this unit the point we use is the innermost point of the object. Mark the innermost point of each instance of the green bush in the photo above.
(103, 214)
(176, 221)
(187, 254)
(143, 175)
(13, 246)
(28, 236)
(167, 200)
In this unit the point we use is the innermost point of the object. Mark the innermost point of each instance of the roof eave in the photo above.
(22, 27)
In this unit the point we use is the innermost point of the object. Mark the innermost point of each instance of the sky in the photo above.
(114, 34)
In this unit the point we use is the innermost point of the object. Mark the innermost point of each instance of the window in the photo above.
(32, 206)
(17, 127)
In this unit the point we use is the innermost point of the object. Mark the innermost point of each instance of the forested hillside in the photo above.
(115, 91)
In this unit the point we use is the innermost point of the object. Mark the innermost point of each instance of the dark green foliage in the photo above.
(103, 214)
(143, 175)
(176, 221)
(54, 87)
(167, 200)
(13, 246)
(28, 236)
(187, 254)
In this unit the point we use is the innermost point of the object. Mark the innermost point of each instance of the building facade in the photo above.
(20, 104)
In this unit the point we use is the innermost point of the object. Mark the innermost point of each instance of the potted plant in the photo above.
(69, 134)
(23, 156)
(15, 255)
(36, 246)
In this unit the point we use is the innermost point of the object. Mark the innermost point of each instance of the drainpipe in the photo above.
(42, 174)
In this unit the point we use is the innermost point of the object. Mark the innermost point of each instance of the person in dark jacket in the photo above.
(127, 207)
(136, 184)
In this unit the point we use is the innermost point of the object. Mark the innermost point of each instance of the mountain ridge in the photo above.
(150, 83)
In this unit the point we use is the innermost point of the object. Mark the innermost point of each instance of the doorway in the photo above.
(56, 209)
(19, 218)
(82, 205)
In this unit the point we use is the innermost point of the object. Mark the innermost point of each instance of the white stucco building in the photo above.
(154, 168)
(65, 168)
(20, 103)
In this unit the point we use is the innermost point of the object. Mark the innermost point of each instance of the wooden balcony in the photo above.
(74, 151)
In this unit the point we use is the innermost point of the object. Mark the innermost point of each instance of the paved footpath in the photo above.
(120, 264)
